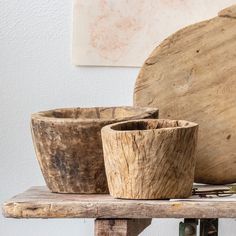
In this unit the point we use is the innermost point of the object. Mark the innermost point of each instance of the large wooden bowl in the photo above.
(69, 148)
(150, 159)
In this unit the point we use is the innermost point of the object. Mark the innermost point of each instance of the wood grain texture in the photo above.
(68, 145)
(192, 76)
(228, 12)
(150, 159)
(120, 227)
(39, 202)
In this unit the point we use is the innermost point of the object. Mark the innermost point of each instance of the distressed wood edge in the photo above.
(4, 210)
(108, 210)
(26, 205)
(228, 12)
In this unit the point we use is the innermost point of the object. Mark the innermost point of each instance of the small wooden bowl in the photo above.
(68, 145)
(150, 159)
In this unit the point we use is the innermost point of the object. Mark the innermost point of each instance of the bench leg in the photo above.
(120, 227)
(209, 227)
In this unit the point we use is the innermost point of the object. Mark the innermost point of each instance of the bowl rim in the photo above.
(144, 112)
(110, 127)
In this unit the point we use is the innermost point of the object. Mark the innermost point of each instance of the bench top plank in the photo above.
(39, 202)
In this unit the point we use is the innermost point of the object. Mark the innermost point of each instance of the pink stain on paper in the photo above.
(119, 22)
(113, 29)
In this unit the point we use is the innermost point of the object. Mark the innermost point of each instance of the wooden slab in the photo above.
(39, 202)
(192, 76)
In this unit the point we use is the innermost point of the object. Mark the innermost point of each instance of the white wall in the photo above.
(36, 74)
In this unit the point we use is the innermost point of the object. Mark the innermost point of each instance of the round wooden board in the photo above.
(192, 76)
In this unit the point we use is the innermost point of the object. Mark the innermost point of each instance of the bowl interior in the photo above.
(100, 113)
(150, 124)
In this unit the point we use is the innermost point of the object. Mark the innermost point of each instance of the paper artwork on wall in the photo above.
(124, 32)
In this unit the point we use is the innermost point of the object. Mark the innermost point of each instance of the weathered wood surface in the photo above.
(150, 159)
(228, 12)
(68, 145)
(39, 202)
(192, 76)
(120, 227)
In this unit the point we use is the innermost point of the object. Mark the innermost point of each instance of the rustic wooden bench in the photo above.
(121, 217)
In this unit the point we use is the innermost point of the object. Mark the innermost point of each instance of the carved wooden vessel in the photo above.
(68, 145)
(192, 76)
(150, 159)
